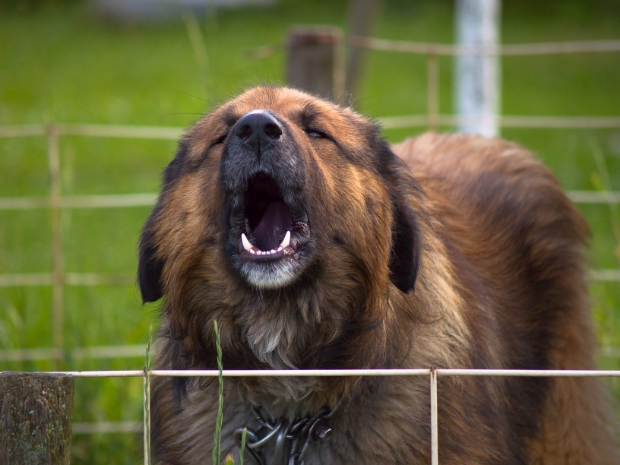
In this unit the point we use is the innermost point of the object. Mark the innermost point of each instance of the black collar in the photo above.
(291, 438)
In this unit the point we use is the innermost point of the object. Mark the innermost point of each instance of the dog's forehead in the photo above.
(283, 102)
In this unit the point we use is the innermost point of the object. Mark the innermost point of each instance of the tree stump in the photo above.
(35, 418)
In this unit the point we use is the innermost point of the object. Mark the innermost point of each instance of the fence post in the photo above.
(477, 74)
(433, 89)
(35, 418)
(53, 153)
(315, 61)
(360, 18)
(434, 426)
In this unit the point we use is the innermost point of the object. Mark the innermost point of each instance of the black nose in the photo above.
(258, 129)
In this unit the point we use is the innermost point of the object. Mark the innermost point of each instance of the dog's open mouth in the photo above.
(268, 229)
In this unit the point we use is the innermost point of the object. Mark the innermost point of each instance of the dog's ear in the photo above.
(405, 251)
(404, 255)
(149, 265)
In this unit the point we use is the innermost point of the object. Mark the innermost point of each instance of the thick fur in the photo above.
(448, 251)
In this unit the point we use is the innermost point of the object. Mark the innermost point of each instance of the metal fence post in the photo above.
(434, 427)
(477, 78)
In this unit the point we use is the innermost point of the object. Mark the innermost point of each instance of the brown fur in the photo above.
(469, 257)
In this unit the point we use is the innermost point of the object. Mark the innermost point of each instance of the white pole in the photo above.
(434, 426)
(477, 80)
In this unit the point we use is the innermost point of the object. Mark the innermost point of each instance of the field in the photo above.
(59, 63)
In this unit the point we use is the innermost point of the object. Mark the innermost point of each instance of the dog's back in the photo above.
(517, 232)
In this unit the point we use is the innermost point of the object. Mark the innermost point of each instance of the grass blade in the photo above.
(242, 450)
(147, 401)
(217, 440)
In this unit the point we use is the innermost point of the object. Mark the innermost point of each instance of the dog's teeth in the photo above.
(246, 244)
(286, 241)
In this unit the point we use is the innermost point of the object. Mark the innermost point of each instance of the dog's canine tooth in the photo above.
(286, 241)
(246, 243)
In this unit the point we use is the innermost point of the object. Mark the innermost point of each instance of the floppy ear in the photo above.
(404, 254)
(149, 266)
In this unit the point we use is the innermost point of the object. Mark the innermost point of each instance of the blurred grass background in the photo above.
(60, 63)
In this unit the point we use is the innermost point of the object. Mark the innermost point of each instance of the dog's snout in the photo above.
(258, 129)
(262, 142)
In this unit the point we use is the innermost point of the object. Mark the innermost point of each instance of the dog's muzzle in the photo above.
(264, 177)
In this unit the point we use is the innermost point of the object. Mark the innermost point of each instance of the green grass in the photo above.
(60, 64)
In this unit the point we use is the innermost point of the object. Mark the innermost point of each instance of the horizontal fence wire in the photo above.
(387, 122)
(80, 201)
(425, 48)
(134, 426)
(130, 351)
(68, 279)
(149, 199)
(107, 427)
(94, 130)
(82, 353)
(342, 372)
(513, 121)
(100, 279)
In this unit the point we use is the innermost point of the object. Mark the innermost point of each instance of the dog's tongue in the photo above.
(273, 224)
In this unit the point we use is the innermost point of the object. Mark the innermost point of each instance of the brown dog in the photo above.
(290, 222)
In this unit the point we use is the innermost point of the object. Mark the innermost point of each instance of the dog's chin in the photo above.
(271, 274)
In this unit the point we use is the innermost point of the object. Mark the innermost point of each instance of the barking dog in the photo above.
(314, 244)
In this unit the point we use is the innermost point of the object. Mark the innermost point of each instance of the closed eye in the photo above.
(219, 140)
(316, 134)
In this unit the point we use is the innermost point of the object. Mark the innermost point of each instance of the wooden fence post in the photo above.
(35, 418)
(315, 61)
(361, 16)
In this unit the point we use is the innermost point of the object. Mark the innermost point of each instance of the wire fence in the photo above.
(55, 202)
(433, 374)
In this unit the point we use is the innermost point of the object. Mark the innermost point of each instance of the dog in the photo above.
(313, 244)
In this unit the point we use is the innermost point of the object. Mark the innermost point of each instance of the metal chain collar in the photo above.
(291, 437)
